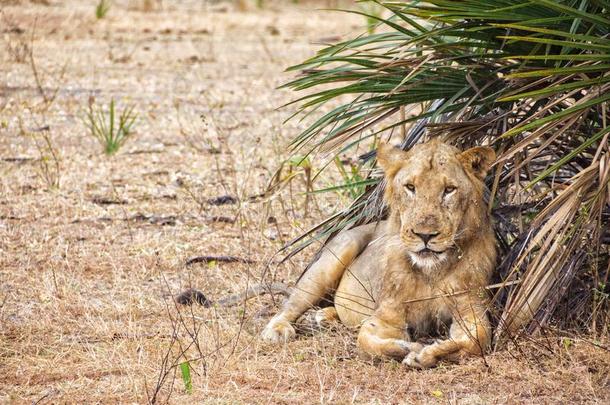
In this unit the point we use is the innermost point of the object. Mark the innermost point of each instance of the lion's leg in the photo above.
(385, 335)
(319, 280)
(470, 334)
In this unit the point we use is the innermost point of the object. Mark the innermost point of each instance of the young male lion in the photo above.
(423, 267)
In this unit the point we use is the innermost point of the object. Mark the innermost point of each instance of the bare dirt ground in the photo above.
(88, 269)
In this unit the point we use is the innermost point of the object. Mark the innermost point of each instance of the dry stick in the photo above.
(462, 292)
(308, 189)
(195, 342)
(241, 214)
(17, 159)
(241, 323)
(52, 181)
(223, 139)
(126, 56)
(184, 185)
(193, 335)
(45, 396)
(216, 350)
(45, 174)
(603, 183)
(47, 99)
(267, 50)
(165, 370)
(125, 217)
(403, 127)
(3, 301)
(598, 345)
(33, 64)
(494, 188)
(224, 144)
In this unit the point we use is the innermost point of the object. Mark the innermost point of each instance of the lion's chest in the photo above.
(426, 306)
(427, 316)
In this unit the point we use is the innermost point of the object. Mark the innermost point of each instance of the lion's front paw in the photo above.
(411, 347)
(326, 317)
(420, 359)
(278, 330)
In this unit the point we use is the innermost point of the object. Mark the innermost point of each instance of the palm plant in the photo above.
(104, 126)
(530, 78)
(102, 9)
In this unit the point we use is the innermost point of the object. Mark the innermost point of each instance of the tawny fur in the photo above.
(423, 267)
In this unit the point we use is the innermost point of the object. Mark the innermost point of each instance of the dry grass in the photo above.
(85, 287)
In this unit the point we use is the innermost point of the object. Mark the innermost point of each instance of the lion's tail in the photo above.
(192, 296)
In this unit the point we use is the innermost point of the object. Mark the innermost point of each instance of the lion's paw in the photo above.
(278, 330)
(411, 347)
(419, 359)
(326, 317)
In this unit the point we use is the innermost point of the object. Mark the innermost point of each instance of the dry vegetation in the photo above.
(92, 247)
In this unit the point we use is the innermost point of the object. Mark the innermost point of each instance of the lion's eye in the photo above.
(410, 187)
(449, 190)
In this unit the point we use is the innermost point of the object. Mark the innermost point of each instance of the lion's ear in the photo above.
(478, 160)
(390, 158)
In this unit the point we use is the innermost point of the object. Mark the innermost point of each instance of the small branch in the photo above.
(461, 292)
(17, 159)
(108, 201)
(222, 200)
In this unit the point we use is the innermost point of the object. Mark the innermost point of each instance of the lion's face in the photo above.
(436, 191)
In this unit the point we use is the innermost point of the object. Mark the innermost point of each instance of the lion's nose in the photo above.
(426, 236)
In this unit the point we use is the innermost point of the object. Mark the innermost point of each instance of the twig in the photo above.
(461, 292)
(48, 99)
(222, 200)
(17, 159)
(48, 394)
(33, 64)
(108, 201)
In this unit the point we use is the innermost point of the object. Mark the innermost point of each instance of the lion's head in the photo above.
(435, 191)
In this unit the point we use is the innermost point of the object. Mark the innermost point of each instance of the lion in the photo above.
(424, 268)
